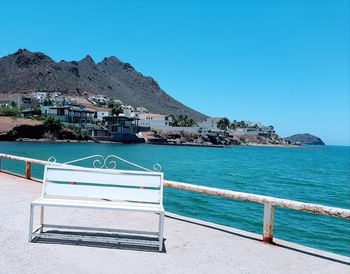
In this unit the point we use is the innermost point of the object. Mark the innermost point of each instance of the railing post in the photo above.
(268, 223)
(28, 170)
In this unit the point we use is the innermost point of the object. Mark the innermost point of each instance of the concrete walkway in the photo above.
(192, 246)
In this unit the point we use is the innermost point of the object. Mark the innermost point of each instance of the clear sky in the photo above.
(284, 63)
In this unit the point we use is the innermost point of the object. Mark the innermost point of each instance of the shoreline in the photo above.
(46, 140)
(271, 145)
(187, 145)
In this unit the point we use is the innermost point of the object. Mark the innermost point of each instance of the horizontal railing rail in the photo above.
(269, 202)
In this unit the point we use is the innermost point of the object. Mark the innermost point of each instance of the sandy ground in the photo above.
(8, 123)
(191, 246)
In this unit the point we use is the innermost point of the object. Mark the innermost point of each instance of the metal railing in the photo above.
(269, 202)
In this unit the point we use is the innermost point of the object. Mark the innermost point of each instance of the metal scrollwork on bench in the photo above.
(109, 162)
(52, 160)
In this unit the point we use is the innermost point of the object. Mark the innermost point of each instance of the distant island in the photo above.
(109, 101)
(305, 139)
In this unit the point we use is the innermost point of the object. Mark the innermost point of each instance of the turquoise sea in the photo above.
(310, 174)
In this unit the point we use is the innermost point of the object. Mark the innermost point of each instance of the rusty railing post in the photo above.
(28, 170)
(268, 223)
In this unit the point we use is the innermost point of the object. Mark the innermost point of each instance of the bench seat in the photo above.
(91, 188)
(101, 204)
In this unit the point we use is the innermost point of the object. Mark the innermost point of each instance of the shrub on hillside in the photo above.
(53, 123)
(10, 111)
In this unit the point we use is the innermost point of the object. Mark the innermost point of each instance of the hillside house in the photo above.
(27, 101)
(153, 120)
(101, 114)
(6, 103)
(98, 131)
(210, 123)
(70, 114)
(124, 129)
(262, 131)
(121, 124)
(40, 97)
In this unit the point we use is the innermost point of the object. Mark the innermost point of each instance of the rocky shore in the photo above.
(42, 133)
(222, 139)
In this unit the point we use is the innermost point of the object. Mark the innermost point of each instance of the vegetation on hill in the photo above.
(51, 128)
(52, 123)
(10, 111)
(182, 121)
(223, 124)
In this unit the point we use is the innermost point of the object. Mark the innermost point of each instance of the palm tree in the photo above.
(223, 124)
(233, 126)
(241, 124)
(182, 121)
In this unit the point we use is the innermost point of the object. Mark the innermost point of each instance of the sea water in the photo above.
(315, 174)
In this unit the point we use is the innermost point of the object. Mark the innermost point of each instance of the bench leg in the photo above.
(161, 230)
(31, 222)
(41, 219)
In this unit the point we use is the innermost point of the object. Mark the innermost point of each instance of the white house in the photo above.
(263, 130)
(247, 131)
(101, 114)
(128, 112)
(40, 97)
(100, 100)
(153, 120)
(267, 129)
(253, 124)
(130, 108)
(63, 101)
(142, 110)
(210, 123)
(48, 111)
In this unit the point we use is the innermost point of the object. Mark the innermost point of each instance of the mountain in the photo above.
(26, 71)
(305, 139)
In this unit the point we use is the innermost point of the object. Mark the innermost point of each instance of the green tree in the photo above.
(37, 111)
(242, 124)
(182, 121)
(116, 110)
(47, 102)
(53, 123)
(223, 123)
(111, 103)
(10, 111)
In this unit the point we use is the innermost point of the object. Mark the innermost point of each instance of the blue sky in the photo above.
(284, 63)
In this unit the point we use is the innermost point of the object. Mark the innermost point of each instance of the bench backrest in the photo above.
(116, 185)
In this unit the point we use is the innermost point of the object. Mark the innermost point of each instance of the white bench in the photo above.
(69, 186)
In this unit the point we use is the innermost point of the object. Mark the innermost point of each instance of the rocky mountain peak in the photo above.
(26, 71)
(21, 51)
(25, 58)
(88, 59)
(128, 67)
(111, 61)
